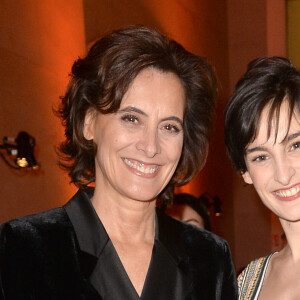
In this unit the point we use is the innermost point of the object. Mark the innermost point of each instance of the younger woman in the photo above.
(262, 128)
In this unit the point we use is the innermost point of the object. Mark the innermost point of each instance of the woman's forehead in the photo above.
(275, 125)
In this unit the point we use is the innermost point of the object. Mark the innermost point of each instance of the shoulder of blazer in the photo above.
(190, 236)
(40, 237)
(203, 256)
(39, 228)
(49, 217)
(190, 243)
(40, 257)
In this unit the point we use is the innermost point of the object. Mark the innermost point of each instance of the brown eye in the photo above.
(259, 158)
(130, 118)
(171, 128)
(295, 146)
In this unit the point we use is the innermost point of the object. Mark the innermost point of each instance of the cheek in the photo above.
(296, 163)
(180, 146)
(113, 138)
(174, 149)
(261, 180)
(255, 178)
(260, 175)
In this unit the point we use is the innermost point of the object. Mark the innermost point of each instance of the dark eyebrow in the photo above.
(173, 118)
(286, 140)
(292, 136)
(130, 109)
(258, 148)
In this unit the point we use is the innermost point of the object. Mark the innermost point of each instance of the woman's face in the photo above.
(139, 146)
(274, 165)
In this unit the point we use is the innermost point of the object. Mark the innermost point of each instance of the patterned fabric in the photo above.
(250, 281)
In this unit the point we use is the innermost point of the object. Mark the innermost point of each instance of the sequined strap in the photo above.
(251, 279)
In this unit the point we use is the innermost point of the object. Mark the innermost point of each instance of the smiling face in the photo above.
(273, 165)
(139, 146)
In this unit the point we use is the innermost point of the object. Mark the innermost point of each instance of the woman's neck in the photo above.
(125, 219)
(292, 232)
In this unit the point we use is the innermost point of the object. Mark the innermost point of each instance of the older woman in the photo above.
(137, 115)
(262, 128)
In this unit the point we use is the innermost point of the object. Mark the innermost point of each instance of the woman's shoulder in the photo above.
(201, 235)
(194, 237)
(251, 278)
(205, 241)
(255, 266)
(34, 224)
(39, 237)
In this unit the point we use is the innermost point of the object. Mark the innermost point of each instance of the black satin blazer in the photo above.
(41, 259)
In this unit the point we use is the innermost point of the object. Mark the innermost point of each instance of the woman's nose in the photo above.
(149, 143)
(284, 172)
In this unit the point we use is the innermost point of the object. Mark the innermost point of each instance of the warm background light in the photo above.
(39, 41)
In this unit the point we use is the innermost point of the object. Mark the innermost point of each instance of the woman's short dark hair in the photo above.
(101, 79)
(269, 80)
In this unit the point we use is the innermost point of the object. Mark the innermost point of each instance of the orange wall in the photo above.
(38, 47)
(38, 42)
(293, 29)
(256, 28)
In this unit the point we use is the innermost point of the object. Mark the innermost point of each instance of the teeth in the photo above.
(288, 193)
(142, 169)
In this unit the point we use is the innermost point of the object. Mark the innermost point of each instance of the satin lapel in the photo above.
(84, 265)
(169, 235)
(79, 211)
(165, 280)
(87, 264)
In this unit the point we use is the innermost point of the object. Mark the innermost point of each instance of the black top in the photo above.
(109, 278)
(65, 254)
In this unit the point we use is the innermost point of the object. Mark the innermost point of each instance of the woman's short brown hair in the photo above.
(101, 79)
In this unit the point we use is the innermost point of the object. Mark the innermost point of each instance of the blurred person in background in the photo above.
(191, 210)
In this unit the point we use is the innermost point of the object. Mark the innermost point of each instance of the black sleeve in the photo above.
(229, 286)
(15, 271)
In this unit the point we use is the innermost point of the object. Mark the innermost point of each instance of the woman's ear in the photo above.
(247, 178)
(89, 122)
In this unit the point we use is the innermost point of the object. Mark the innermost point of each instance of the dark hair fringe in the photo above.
(269, 80)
